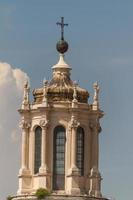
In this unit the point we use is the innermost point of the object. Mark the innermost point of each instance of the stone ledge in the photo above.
(58, 197)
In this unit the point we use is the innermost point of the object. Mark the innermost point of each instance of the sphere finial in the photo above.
(62, 45)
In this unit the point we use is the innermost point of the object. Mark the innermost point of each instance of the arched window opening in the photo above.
(80, 150)
(59, 158)
(38, 141)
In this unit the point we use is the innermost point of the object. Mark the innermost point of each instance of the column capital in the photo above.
(44, 123)
(95, 127)
(24, 124)
(74, 123)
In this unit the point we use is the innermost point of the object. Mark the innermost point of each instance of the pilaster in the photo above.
(44, 175)
(73, 127)
(43, 169)
(95, 177)
(25, 148)
(25, 183)
(73, 175)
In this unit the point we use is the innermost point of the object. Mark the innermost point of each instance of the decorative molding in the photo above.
(74, 123)
(24, 124)
(44, 123)
(92, 125)
(95, 126)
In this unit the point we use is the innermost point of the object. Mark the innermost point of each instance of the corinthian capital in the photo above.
(74, 123)
(25, 124)
(44, 123)
(95, 126)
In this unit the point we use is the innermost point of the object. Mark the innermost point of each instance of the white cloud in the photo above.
(11, 91)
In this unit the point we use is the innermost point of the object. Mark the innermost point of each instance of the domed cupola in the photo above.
(60, 137)
(61, 87)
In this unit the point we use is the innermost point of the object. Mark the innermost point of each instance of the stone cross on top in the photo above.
(62, 27)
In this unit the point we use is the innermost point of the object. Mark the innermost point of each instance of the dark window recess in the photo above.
(59, 158)
(80, 150)
(37, 158)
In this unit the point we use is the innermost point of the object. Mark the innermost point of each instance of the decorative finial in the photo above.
(45, 101)
(96, 96)
(74, 101)
(62, 45)
(26, 103)
(61, 24)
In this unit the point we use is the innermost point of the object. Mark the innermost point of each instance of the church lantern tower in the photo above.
(60, 131)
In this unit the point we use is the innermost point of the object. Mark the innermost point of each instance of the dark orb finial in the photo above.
(62, 45)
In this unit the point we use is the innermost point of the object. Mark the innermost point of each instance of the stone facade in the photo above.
(61, 102)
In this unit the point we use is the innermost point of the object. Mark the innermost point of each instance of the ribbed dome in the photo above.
(61, 87)
(61, 94)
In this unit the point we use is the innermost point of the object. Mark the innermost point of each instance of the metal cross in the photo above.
(62, 27)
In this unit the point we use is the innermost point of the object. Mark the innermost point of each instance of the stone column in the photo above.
(73, 152)
(95, 177)
(73, 187)
(95, 147)
(44, 176)
(74, 125)
(43, 168)
(95, 130)
(25, 147)
(24, 172)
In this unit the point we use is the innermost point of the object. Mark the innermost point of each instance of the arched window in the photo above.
(80, 150)
(38, 141)
(59, 158)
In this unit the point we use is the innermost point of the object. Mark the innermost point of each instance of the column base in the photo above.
(43, 170)
(24, 171)
(72, 187)
(25, 184)
(95, 193)
(74, 171)
(42, 180)
(95, 183)
(73, 179)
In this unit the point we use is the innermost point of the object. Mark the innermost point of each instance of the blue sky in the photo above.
(100, 36)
